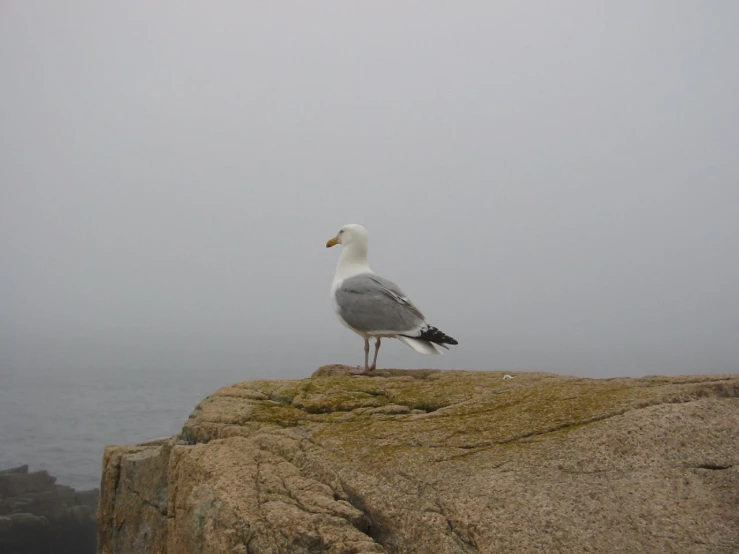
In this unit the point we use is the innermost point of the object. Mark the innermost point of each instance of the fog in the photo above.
(555, 185)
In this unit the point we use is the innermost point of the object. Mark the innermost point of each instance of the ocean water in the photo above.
(61, 418)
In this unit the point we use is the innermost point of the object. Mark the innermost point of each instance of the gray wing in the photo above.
(367, 302)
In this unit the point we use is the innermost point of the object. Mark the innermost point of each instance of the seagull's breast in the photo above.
(334, 287)
(345, 270)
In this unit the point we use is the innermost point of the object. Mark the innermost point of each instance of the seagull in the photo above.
(373, 306)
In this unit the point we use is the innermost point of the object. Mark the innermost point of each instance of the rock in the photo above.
(39, 516)
(28, 522)
(82, 515)
(87, 498)
(17, 483)
(436, 462)
(19, 469)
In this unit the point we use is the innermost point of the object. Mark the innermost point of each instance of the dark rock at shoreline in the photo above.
(37, 516)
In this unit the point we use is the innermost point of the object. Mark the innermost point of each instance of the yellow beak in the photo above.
(333, 242)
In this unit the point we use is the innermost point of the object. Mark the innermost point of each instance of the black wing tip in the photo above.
(432, 334)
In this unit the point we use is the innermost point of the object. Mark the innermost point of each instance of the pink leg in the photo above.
(366, 369)
(377, 349)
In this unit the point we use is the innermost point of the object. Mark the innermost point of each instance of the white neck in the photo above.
(353, 261)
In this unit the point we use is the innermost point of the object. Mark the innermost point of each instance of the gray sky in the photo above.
(556, 185)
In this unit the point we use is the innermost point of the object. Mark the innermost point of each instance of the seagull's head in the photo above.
(349, 234)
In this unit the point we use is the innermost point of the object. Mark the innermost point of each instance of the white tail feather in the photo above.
(421, 346)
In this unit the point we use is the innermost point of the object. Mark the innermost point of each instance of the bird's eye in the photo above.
(341, 231)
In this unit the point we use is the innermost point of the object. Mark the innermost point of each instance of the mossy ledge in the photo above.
(436, 461)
